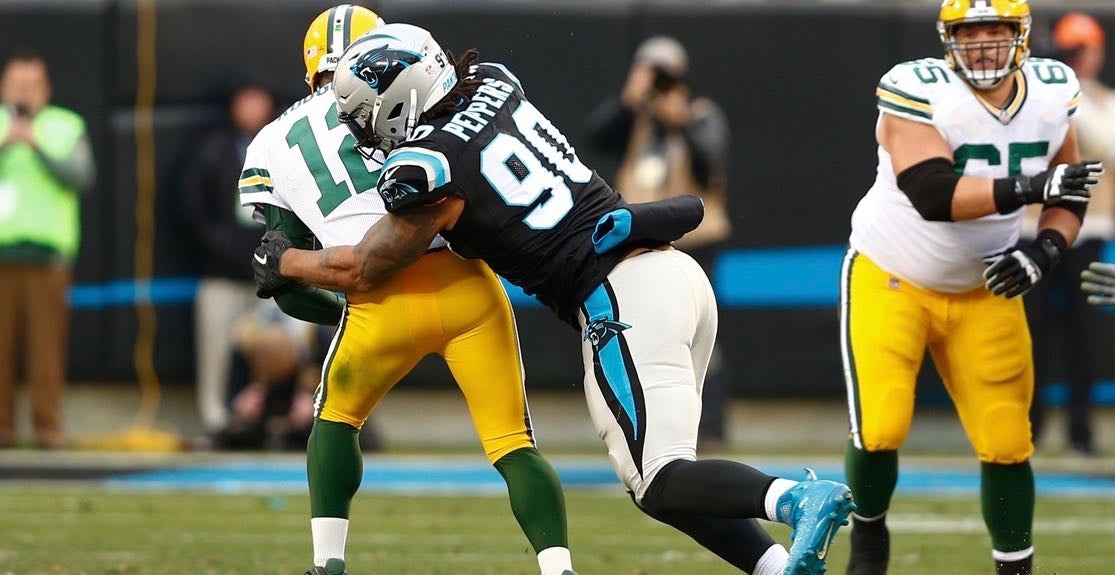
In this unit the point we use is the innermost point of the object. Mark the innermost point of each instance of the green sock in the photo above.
(536, 497)
(872, 477)
(334, 467)
(1007, 494)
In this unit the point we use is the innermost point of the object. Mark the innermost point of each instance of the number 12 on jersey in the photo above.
(333, 193)
(515, 170)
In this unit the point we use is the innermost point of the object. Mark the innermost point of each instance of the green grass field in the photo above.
(88, 530)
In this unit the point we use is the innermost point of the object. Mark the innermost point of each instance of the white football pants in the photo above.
(648, 333)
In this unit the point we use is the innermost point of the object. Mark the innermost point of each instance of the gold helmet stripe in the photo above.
(346, 36)
(329, 29)
(340, 18)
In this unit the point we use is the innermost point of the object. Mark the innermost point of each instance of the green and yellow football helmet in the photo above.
(330, 33)
(958, 12)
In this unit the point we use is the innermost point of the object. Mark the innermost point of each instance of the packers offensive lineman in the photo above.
(305, 177)
(472, 159)
(964, 143)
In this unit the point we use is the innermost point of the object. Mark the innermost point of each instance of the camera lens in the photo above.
(663, 80)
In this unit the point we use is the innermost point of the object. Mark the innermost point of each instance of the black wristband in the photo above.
(1007, 198)
(1052, 244)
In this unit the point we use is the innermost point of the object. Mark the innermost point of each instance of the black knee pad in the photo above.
(653, 500)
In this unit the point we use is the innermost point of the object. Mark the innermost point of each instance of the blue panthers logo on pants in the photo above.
(599, 332)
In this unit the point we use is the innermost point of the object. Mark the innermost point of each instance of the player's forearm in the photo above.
(386, 250)
(335, 269)
(1062, 220)
(973, 198)
(311, 304)
(398, 240)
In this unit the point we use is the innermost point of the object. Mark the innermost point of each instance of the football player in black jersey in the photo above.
(470, 158)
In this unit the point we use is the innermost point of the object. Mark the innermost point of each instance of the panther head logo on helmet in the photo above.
(386, 80)
(380, 66)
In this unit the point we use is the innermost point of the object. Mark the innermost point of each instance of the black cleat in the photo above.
(332, 567)
(870, 547)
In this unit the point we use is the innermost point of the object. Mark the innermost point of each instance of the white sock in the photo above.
(775, 491)
(1010, 556)
(773, 562)
(554, 560)
(329, 538)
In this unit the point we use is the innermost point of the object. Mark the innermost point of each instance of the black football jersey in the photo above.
(531, 204)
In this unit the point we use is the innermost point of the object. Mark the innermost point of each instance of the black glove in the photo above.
(1063, 183)
(1099, 283)
(1013, 272)
(265, 263)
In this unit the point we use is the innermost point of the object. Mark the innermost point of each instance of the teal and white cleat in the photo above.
(815, 509)
(332, 567)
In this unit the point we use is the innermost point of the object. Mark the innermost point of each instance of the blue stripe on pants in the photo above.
(599, 306)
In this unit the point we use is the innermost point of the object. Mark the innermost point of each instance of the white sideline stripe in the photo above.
(930, 524)
(945, 524)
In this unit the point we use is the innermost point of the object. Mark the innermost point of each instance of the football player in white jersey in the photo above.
(964, 143)
(305, 178)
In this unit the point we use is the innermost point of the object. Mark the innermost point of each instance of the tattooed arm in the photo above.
(390, 245)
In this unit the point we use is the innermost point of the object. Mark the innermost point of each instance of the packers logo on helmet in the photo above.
(331, 33)
(955, 13)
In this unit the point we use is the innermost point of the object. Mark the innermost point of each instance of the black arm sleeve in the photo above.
(301, 301)
(930, 185)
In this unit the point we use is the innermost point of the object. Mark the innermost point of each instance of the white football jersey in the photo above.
(986, 142)
(304, 161)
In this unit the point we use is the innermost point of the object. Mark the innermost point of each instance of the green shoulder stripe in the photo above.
(903, 109)
(254, 172)
(256, 189)
(896, 91)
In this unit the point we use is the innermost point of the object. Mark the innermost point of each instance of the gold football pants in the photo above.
(440, 304)
(979, 342)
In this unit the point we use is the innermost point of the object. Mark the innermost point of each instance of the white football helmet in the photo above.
(386, 79)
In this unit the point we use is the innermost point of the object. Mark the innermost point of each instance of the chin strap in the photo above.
(412, 116)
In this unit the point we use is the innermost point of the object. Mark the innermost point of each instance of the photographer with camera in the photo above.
(45, 162)
(673, 144)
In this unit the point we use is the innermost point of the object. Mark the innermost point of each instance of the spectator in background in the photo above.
(274, 410)
(225, 232)
(673, 144)
(1058, 302)
(45, 164)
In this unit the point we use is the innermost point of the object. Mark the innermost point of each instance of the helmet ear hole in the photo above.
(395, 112)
